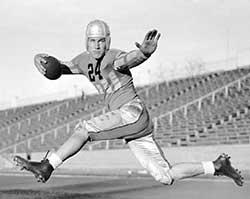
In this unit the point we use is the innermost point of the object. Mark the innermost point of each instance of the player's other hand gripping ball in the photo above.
(53, 68)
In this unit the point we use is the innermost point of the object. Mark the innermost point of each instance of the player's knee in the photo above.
(81, 129)
(165, 178)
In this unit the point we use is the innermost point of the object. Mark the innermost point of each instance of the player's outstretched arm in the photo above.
(136, 57)
(67, 67)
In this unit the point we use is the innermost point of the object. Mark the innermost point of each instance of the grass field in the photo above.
(118, 187)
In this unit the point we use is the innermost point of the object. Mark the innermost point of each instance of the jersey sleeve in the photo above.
(129, 60)
(73, 66)
(69, 67)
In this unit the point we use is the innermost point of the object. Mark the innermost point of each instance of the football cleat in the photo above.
(223, 167)
(41, 170)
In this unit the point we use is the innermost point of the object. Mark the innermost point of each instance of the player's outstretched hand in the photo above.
(149, 43)
(38, 60)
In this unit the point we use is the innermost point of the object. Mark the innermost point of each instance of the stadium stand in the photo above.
(208, 109)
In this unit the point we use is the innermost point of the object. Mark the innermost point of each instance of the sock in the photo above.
(55, 160)
(208, 167)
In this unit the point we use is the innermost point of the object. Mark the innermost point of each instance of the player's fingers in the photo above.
(148, 35)
(137, 45)
(43, 60)
(41, 70)
(158, 36)
(38, 60)
(40, 67)
(41, 57)
(153, 34)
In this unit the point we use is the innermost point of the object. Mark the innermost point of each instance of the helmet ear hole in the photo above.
(98, 28)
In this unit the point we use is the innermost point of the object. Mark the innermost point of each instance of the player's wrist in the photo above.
(145, 54)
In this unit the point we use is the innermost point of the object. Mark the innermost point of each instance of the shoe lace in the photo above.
(45, 157)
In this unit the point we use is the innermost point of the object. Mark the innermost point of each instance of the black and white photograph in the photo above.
(125, 99)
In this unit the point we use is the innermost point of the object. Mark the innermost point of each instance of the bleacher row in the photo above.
(203, 110)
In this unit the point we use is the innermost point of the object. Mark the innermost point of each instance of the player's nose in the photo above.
(97, 45)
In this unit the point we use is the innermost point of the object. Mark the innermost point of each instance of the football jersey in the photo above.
(111, 75)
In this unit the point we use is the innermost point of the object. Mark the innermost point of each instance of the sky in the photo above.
(206, 32)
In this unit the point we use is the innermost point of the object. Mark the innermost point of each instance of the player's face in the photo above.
(97, 47)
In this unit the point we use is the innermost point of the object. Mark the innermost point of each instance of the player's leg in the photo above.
(128, 121)
(43, 170)
(152, 158)
(73, 145)
(221, 166)
(190, 169)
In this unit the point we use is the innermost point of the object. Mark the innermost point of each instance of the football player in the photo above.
(110, 72)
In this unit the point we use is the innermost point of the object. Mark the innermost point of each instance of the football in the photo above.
(53, 68)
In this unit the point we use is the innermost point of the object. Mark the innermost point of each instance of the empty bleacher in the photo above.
(207, 109)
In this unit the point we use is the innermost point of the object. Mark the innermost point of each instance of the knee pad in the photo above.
(81, 128)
